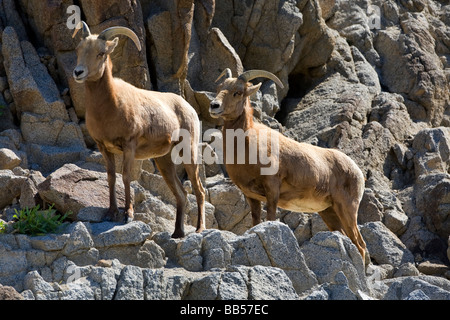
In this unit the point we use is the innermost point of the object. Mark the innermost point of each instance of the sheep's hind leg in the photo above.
(128, 159)
(332, 221)
(193, 174)
(167, 170)
(348, 213)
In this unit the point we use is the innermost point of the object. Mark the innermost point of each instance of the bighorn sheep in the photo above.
(139, 124)
(309, 178)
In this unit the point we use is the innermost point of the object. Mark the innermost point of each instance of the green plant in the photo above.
(2, 227)
(36, 222)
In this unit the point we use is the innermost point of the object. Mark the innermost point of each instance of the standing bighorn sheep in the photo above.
(309, 178)
(139, 124)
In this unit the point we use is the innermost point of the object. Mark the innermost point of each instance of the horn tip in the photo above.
(77, 28)
(226, 72)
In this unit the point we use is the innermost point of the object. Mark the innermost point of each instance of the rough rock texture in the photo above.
(9, 293)
(72, 189)
(45, 123)
(367, 77)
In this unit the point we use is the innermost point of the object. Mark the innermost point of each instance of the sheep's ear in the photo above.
(251, 90)
(111, 45)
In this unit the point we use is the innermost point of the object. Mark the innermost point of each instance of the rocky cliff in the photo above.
(368, 77)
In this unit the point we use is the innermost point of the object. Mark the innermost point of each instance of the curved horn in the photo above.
(110, 33)
(82, 25)
(253, 74)
(227, 72)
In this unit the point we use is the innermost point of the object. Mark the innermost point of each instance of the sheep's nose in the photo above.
(215, 105)
(78, 72)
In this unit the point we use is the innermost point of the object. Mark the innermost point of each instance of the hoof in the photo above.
(200, 230)
(129, 216)
(128, 219)
(110, 215)
(178, 235)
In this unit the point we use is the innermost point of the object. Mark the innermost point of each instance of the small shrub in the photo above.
(2, 227)
(36, 222)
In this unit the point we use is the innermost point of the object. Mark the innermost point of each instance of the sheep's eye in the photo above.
(237, 93)
(101, 55)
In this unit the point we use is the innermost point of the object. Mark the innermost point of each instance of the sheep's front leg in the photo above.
(255, 206)
(128, 158)
(272, 189)
(111, 170)
(169, 173)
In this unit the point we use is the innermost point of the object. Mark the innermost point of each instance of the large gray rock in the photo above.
(251, 30)
(79, 240)
(330, 115)
(328, 254)
(13, 265)
(420, 79)
(50, 242)
(72, 189)
(239, 282)
(10, 187)
(150, 255)
(188, 252)
(268, 283)
(170, 26)
(130, 285)
(283, 252)
(48, 159)
(108, 234)
(44, 119)
(164, 285)
(31, 86)
(433, 199)
(384, 246)
(432, 147)
(83, 244)
(9, 159)
(230, 203)
(107, 279)
(269, 244)
(120, 282)
(84, 290)
(41, 289)
(402, 288)
(216, 249)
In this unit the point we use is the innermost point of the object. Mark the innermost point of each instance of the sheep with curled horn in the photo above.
(308, 178)
(137, 123)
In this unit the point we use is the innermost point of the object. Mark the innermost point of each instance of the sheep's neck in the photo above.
(244, 121)
(102, 90)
